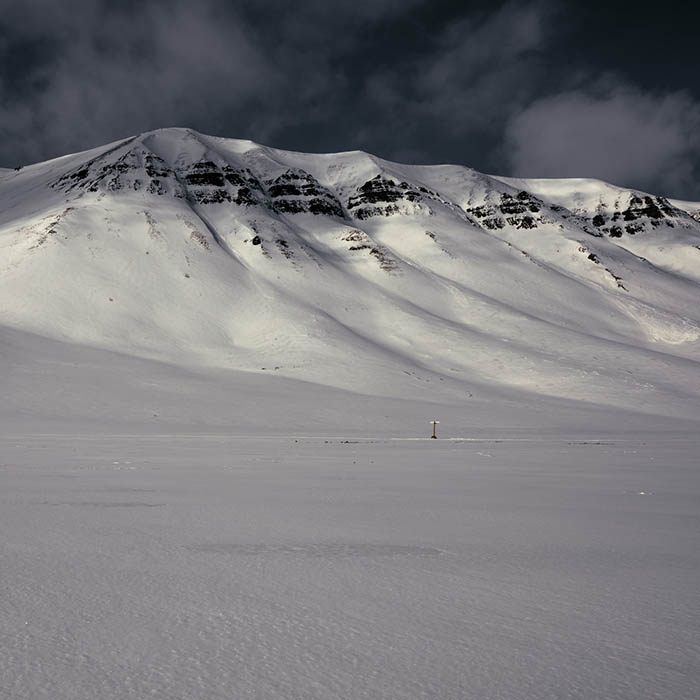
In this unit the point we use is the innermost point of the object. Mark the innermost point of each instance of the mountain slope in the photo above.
(354, 272)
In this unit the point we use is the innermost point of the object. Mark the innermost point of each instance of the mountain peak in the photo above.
(351, 270)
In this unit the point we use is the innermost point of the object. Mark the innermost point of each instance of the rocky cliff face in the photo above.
(494, 206)
(642, 213)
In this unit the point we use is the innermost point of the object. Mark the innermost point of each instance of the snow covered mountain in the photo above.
(352, 272)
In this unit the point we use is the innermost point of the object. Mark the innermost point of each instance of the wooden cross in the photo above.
(434, 422)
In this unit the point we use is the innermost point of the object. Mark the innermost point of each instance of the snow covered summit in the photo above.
(350, 271)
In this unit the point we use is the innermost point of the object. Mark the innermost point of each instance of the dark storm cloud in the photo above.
(78, 73)
(103, 74)
(497, 86)
(445, 97)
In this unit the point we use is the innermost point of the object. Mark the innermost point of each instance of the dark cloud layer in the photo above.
(534, 88)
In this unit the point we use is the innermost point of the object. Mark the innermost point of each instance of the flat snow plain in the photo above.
(175, 566)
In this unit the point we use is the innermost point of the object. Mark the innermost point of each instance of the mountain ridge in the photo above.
(351, 271)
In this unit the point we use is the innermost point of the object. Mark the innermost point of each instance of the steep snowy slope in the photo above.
(663, 231)
(350, 271)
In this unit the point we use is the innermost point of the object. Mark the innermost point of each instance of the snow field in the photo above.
(212, 567)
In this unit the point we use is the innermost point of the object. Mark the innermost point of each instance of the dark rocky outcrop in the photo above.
(382, 196)
(521, 211)
(298, 192)
(209, 183)
(134, 170)
(643, 213)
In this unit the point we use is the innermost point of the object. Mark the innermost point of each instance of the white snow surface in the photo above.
(210, 567)
(218, 364)
(352, 272)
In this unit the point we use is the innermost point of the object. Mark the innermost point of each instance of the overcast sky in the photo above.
(535, 89)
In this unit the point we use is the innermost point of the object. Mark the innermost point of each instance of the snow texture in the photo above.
(218, 364)
(348, 271)
(210, 567)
